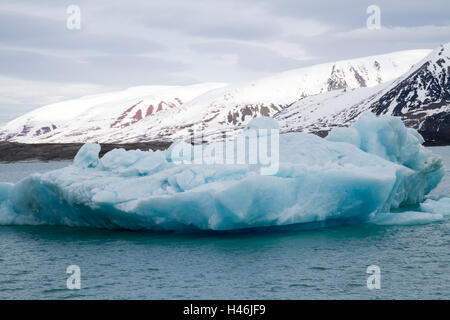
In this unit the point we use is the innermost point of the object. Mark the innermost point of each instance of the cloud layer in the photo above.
(138, 42)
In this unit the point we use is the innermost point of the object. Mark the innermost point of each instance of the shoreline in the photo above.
(14, 152)
(47, 152)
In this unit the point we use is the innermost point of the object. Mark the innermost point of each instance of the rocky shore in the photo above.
(15, 152)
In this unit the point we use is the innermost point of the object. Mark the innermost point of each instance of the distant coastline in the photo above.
(36, 152)
(22, 152)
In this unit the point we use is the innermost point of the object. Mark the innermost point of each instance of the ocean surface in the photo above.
(327, 263)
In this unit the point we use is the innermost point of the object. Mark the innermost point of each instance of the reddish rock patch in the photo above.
(149, 110)
(137, 116)
(160, 106)
(124, 115)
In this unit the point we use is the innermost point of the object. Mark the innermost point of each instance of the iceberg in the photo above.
(359, 174)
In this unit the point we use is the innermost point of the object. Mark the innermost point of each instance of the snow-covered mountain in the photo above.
(421, 97)
(226, 109)
(95, 117)
(161, 112)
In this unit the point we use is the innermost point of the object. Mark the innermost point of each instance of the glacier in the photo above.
(371, 172)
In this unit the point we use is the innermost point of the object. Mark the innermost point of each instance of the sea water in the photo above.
(326, 263)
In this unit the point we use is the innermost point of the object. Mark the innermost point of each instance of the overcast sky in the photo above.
(144, 42)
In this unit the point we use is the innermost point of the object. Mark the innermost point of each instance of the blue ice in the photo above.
(369, 172)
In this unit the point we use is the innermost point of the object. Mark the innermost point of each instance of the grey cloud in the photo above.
(115, 69)
(179, 42)
(211, 19)
(350, 14)
(249, 57)
(41, 33)
(229, 26)
(364, 42)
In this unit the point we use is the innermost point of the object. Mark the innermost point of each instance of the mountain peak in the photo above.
(425, 87)
(420, 97)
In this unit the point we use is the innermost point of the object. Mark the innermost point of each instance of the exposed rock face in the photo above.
(422, 99)
(436, 129)
(337, 79)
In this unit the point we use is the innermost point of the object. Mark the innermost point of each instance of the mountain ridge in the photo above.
(312, 99)
(421, 97)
